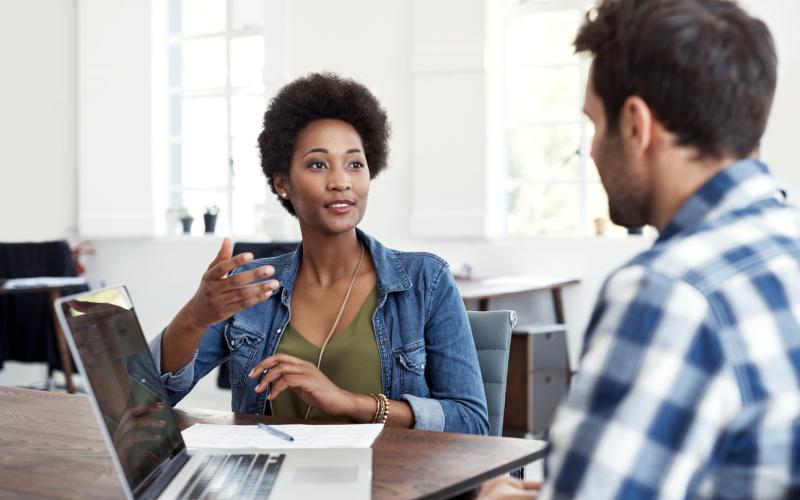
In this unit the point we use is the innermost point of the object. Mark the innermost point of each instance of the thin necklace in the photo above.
(339, 316)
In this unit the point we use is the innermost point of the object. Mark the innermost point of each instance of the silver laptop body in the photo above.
(143, 436)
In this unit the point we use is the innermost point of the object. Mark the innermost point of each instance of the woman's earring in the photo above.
(283, 194)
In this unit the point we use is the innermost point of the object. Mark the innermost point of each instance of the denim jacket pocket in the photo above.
(411, 359)
(242, 343)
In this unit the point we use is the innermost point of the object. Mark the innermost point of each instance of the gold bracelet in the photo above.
(381, 409)
(377, 407)
(385, 416)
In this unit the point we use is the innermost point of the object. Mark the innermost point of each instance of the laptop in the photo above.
(142, 432)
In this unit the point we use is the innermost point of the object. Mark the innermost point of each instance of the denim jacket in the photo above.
(425, 344)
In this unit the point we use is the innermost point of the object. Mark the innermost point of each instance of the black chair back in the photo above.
(261, 250)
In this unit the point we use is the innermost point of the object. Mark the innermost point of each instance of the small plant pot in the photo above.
(186, 222)
(636, 230)
(210, 222)
(599, 226)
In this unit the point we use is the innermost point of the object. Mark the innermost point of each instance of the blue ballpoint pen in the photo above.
(275, 432)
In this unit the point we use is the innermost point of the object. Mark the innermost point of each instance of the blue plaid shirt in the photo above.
(689, 384)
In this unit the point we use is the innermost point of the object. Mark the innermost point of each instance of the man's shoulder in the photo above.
(718, 252)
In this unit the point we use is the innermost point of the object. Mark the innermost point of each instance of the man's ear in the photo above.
(636, 125)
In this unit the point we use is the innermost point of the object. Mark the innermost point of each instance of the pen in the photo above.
(275, 432)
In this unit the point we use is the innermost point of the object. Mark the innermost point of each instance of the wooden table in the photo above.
(53, 287)
(52, 448)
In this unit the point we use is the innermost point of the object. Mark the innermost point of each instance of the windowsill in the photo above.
(534, 239)
(205, 238)
(181, 237)
(531, 240)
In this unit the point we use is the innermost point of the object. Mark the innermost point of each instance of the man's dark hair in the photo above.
(314, 97)
(705, 67)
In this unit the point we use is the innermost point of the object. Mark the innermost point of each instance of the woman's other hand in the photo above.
(305, 379)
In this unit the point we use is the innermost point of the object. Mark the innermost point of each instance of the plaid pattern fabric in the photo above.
(689, 384)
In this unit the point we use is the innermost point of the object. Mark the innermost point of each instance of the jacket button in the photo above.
(422, 365)
(278, 330)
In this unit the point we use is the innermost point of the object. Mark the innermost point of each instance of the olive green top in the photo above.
(350, 361)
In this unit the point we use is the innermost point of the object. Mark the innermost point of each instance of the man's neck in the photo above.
(677, 175)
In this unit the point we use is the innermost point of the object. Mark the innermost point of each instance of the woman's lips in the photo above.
(340, 206)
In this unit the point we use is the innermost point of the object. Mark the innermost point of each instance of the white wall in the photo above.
(369, 41)
(38, 114)
(116, 167)
(448, 80)
(779, 148)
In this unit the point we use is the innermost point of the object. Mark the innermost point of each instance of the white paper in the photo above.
(305, 436)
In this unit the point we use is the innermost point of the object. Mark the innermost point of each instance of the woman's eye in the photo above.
(316, 164)
(357, 164)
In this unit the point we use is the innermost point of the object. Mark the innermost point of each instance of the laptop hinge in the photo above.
(158, 481)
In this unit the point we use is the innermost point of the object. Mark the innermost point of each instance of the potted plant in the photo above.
(186, 220)
(210, 218)
(599, 226)
(183, 215)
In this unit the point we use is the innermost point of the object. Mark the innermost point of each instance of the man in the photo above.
(689, 383)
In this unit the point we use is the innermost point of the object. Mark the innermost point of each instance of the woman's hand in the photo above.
(508, 488)
(305, 379)
(220, 296)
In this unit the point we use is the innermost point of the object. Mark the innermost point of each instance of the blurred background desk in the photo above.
(53, 286)
(484, 290)
(538, 366)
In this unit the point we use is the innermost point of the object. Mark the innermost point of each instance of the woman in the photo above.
(343, 328)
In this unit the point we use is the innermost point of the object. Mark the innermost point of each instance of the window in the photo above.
(217, 97)
(551, 185)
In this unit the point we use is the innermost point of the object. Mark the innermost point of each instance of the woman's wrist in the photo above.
(359, 407)
(186, 321)
(179, 341)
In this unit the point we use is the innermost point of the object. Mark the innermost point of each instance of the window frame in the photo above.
(228, 92)
(584, 180)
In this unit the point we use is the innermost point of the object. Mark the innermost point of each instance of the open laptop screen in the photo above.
(123, 380)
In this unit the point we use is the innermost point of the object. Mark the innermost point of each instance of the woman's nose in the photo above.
(338, 180)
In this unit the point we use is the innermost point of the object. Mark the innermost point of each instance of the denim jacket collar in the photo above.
(391, 276)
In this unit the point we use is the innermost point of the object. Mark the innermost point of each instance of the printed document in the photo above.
(305, 436)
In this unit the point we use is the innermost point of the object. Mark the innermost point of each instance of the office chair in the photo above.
(492, 333)
(259, 250)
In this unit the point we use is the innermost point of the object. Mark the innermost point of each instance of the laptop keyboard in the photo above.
(233, 476)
